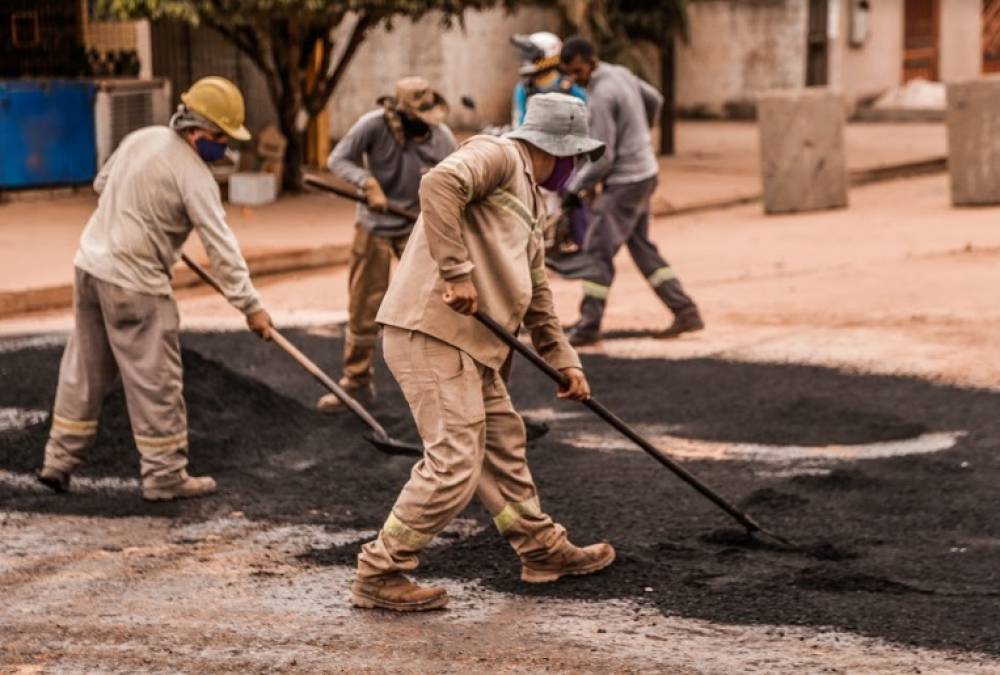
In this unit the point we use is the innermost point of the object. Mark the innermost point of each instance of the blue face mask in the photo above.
(560, 174)
(210, 151)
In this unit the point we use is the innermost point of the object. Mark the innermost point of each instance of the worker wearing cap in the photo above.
(477, 246)
(154, 190)
(385, 154)
(622, 109)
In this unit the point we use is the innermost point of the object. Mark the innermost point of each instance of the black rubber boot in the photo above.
(587, 330)
(685, 321)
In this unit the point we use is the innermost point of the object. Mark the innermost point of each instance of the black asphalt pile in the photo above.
(905, 548)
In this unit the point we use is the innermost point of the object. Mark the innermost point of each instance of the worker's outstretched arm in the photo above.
(208, 217)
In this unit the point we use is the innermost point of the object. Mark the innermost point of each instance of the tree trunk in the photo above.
(294, 151)
(668, 113)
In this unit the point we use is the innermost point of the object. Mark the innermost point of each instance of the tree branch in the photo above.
(324, 90)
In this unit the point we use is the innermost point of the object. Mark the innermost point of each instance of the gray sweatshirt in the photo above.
(369, 149)
(622, 110)
(153, 191)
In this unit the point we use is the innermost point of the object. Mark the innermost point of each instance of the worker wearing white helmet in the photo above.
(540, 72)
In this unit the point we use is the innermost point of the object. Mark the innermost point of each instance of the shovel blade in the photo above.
(390, 446)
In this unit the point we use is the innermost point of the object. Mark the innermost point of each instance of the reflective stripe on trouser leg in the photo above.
(657, 271)
(444, 389)
(506, 487)
(86, 372)
(142, 330)
(592, 289)
(68, 442)
(368, 279)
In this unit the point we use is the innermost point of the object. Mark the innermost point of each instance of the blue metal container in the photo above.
(46, 133)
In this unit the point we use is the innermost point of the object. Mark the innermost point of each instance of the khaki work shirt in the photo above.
(482, 217)
(154, 190)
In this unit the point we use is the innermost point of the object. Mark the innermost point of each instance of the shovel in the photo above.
(752, 526)
(355, 195)
(378, 437)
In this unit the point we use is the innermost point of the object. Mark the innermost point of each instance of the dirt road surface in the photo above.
(844, 394)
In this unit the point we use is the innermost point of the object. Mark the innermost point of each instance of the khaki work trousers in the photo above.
(368, 280)
(474, 443)
(118, 331)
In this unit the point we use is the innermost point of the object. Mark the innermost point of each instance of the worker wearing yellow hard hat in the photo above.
(154, 190)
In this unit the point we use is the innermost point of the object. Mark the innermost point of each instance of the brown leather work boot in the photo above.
(396, 592)
(568, 560)
(685, 321)
(188, 488)
(330, 404)
(54, 479)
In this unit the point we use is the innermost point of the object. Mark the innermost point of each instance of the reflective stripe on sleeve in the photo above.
(458, 168)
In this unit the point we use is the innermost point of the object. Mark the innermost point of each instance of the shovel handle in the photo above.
(357, 196)
(508, 338)
(301, 359)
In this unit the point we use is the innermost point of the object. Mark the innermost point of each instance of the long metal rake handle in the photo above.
(302, 360)
(746, 521)
(315, 181)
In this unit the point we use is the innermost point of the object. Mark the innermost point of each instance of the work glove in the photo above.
(374, 196)
(571, 200)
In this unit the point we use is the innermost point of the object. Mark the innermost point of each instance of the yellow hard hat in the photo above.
(220, 101)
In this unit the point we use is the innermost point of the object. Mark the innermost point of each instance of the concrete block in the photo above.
(802, 158)
(973, 119)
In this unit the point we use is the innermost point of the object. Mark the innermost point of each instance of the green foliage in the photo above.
(297, 44)
(616, 26)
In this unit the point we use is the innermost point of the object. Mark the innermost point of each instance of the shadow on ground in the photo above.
(907, 548)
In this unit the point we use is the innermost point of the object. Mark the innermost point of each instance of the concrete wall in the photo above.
(738, 50)
(961, 39)
(866, 71)
(478, 61)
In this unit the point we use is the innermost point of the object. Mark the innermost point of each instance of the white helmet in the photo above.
(539, 51)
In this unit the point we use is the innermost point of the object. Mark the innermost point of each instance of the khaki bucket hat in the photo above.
(557, 124)
(415, 97)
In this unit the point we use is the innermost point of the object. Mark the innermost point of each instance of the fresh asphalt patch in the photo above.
(905, 548)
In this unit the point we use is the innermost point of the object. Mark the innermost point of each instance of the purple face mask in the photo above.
(560, 174)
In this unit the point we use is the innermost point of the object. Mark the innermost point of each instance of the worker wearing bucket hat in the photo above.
(385, 154)
(477, 246)
(154, 190)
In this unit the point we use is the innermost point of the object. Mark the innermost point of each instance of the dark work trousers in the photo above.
(620, 215)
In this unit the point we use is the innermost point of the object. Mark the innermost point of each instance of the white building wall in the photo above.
(737, 50)
(478, 61)
(961, 39)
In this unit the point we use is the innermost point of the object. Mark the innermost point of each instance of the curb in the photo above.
(13, 303)
(878, 174)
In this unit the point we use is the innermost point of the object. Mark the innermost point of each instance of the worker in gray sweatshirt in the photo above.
(385, 154)
(154, 191)
(622, 110)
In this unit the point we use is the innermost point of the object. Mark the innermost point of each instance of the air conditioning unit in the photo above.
(122, 106)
